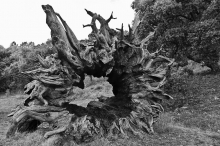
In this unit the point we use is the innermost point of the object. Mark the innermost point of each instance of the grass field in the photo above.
(195, 121)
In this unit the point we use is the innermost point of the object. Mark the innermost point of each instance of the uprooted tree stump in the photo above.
(135, 74)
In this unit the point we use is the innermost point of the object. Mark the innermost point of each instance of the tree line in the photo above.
(19, 58)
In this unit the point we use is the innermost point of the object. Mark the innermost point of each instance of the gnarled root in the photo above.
(109, 120)
(29, 118)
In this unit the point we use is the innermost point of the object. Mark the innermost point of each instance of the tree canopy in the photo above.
(187, 29)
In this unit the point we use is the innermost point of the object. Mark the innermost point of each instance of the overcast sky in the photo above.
(24, 20)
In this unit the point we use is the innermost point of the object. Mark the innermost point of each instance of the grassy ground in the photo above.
(192, 118)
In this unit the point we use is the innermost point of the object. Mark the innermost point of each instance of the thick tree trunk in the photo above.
(135, 74)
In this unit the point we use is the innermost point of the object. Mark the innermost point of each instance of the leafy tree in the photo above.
(187, 29)
(1, 48)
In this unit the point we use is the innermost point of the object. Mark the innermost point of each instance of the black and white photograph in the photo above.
(110, 73)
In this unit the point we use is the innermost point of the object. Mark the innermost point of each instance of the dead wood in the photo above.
(135, 74)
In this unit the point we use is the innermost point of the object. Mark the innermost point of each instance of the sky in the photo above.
(25, 20)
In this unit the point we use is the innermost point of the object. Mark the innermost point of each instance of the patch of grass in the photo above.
(99, 142)
(164, 124)
(202, 103)
(30, 139)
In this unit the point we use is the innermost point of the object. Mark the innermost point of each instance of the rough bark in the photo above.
(135, 74)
